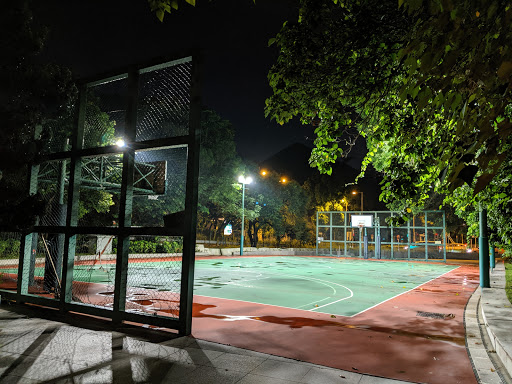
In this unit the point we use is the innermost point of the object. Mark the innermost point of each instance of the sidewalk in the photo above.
(77, 349)
(35, 350)
(496, 318)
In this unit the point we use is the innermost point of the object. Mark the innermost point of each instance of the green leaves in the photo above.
(429, 90)
(505, 70)
(161, 7)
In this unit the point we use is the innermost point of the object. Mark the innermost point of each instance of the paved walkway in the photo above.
(35, 350)
(495, 320)
(68, 350)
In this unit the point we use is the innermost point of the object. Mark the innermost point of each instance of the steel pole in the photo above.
(243, 220)
(483, 244)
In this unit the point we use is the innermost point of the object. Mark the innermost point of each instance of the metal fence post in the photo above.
(426, 236)
(483, 244)
(345, 231)
(316, 238)
(189, 238)
(126, 198)
(444, 236)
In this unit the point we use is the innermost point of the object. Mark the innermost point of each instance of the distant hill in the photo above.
(293, 162)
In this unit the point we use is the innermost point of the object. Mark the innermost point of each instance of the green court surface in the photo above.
(335, 286)
(327, 285)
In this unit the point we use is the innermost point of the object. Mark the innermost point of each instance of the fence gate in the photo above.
(367, 235)
(119, 180)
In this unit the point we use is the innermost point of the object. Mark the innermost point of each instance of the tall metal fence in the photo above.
(341, 233)
(119, 181)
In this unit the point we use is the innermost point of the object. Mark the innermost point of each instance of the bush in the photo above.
(145, 246)
(10, 248)
(169, 247)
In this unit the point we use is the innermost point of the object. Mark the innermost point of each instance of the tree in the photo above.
(32, 95)
(427, 84)
(219, 169)
(283, 209)
(161, 7)
(335, 67)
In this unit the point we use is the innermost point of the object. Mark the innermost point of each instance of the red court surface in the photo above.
(417, 336)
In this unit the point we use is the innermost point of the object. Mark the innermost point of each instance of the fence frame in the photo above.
(377, 227)
(69, 230)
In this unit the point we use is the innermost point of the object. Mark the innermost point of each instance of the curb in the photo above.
(497, 317)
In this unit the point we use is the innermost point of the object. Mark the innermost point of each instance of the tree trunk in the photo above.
(253, 233)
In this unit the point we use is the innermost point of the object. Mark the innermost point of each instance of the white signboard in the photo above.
(228, 229)
(361, 220)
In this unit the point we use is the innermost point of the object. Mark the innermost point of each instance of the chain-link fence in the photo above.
(117, 235)
(370, 235)
(10, 243)
(164, 99)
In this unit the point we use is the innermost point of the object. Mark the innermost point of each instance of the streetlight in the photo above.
(243, 180)
(283, 180)
(344, 201)
(355, 193)
(263, 172)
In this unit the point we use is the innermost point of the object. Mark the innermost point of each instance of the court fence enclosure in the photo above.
(367, 235)
(119, 178)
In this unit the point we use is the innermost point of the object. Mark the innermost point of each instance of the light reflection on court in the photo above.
(335, 286)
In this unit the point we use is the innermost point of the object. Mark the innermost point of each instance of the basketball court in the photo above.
(413, 334)
(395, 319)
(334, 286)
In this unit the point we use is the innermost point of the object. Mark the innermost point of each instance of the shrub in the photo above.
(10, 248)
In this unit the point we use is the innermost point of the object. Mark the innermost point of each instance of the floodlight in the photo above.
(245, 180)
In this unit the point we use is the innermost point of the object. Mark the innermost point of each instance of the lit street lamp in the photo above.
(344, 201)
(355, 193)
(243, 180)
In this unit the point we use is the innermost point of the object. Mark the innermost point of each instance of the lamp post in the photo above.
(243, 180)
(355, 193)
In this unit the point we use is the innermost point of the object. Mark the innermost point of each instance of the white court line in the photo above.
(412, 289)
(313, 302)
(324, 282)
(318, 280)
(239, 283)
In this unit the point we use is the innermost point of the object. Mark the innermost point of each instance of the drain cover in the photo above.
(434, 315)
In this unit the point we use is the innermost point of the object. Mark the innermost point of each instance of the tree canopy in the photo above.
(427, 83)
(32, 94)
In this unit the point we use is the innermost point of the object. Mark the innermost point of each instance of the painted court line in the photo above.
(412, 289)
(326, 283)
(313, 302)
(323, 282)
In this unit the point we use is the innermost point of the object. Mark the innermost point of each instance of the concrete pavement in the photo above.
(75, 349)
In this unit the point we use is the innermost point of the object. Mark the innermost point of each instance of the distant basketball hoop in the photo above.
(361, 221)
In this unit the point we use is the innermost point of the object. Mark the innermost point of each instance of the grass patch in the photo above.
(508, 277)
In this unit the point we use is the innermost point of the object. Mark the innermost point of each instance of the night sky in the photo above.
(93, 37)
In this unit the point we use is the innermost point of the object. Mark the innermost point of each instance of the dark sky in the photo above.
(92, 36)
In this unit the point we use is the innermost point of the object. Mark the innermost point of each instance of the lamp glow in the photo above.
(120, 143)
(243, 180)
(355, 193)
